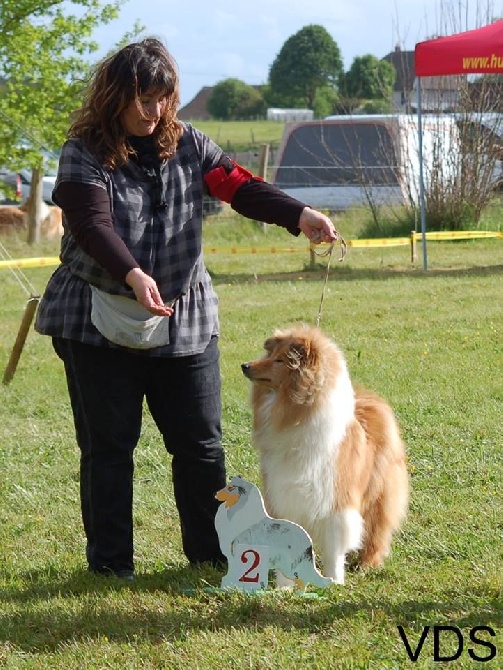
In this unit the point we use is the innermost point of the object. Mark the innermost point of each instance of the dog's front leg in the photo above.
(333, 563)
(341, 534)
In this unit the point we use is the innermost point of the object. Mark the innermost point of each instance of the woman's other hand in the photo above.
(147, 293)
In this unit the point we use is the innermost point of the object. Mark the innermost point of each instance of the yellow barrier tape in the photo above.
(383, 242)
(30, 262)
(388, 242)
(458, 235)
(253, 250)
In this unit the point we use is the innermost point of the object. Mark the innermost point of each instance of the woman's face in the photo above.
(140, 118)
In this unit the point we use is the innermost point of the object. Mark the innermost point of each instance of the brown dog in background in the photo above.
(331, 457)
(14, 218)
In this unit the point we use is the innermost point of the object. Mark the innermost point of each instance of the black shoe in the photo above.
(124, 575)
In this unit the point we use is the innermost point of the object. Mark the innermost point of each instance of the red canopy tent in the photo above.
(474, 51)
(478, 51)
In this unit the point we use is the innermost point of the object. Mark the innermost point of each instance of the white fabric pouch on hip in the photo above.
(125, 322)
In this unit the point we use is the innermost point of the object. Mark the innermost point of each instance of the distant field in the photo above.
(242, 135)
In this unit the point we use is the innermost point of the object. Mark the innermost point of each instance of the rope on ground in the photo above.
(17, 272)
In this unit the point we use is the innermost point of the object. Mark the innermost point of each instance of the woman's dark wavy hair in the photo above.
(117, 81)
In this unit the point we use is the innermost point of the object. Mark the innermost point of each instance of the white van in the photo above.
(360, 160)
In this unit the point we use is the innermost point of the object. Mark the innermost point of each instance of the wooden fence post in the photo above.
(413, 253)
(263, 161)
(29, 313)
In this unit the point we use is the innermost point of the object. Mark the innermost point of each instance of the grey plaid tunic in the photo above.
(166, 243)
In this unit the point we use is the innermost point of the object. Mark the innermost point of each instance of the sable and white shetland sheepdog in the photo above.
(331, 455)
(14, 218)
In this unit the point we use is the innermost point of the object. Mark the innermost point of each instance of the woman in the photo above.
(131, 310)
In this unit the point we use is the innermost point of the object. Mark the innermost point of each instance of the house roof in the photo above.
(196, 109)
(403, 62)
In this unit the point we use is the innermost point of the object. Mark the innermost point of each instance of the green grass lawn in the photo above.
(429, 342)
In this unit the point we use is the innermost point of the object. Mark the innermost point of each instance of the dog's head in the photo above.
(297, 362)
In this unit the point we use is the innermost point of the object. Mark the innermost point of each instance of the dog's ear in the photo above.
(307, 377)
(302, 353)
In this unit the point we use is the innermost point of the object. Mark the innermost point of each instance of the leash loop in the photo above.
(328, 252)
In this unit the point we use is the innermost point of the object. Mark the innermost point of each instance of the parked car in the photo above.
(12, 188)
(18, 186)
(343, 161)
(15, 185)
(482, 140)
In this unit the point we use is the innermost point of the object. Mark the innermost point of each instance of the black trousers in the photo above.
(107, 388)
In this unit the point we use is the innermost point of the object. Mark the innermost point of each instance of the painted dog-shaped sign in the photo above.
(253, 542)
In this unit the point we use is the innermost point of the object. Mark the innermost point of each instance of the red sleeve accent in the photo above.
(223, 186)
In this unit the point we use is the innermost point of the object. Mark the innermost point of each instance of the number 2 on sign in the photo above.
(251, 575)
(250, 569)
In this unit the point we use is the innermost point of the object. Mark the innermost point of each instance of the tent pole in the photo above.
(421, 175)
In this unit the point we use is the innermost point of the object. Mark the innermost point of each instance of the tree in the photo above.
(368, 78)
(308, 61)
(377, 107)
(45, 49)
(325, 101)
(233, 99)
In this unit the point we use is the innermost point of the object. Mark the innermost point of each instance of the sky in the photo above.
(213, 41)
